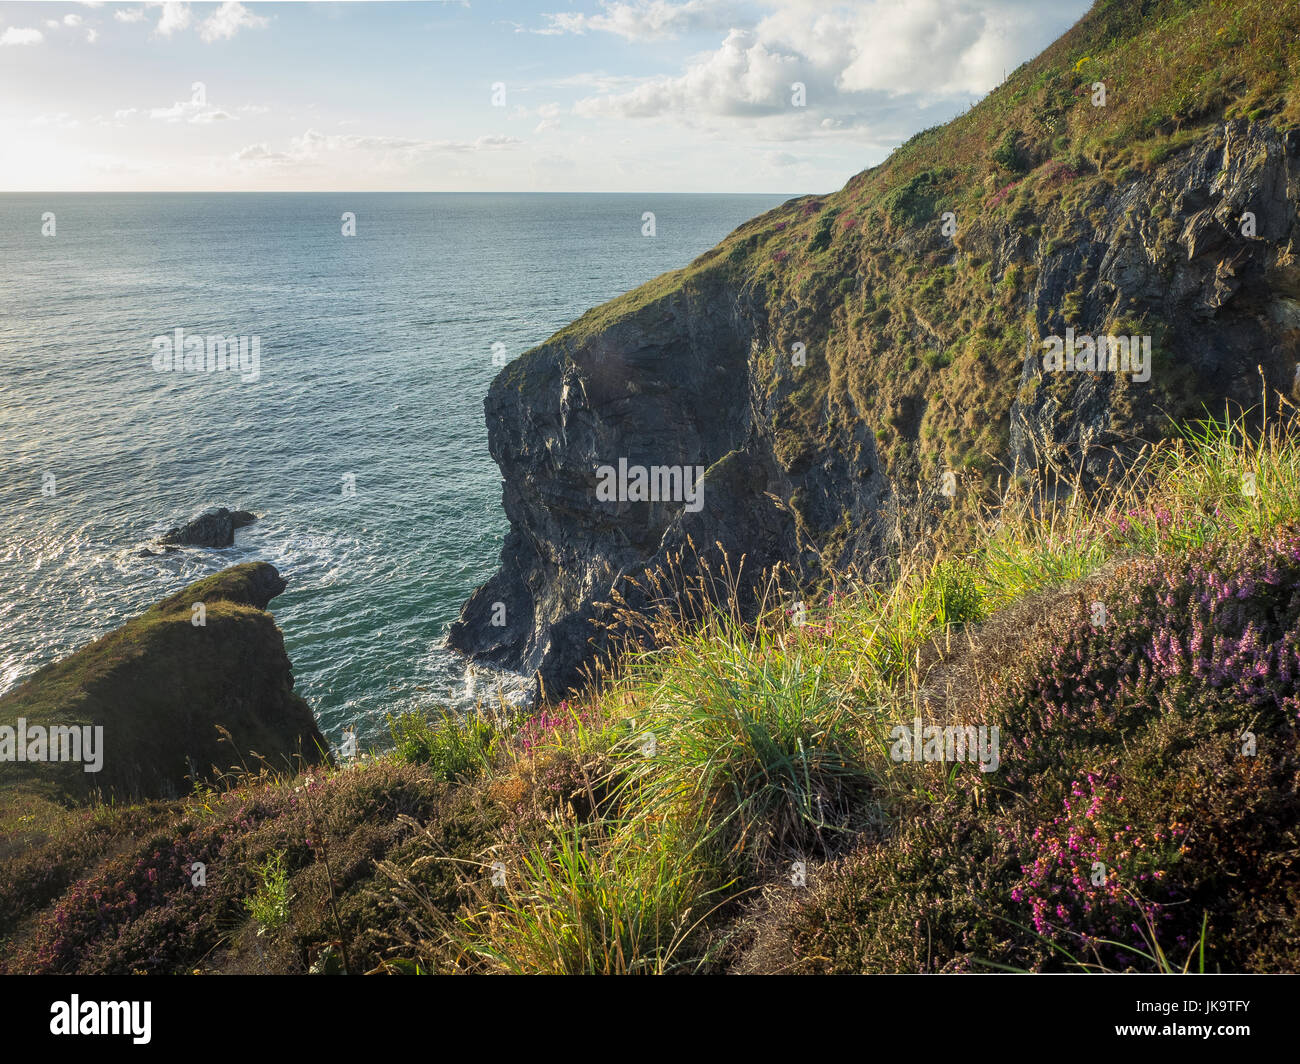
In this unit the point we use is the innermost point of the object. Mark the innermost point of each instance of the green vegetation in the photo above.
(1008, 154)
(596, 903)
(452, 746)
(750, 747)
(913, 203)
(270, 905)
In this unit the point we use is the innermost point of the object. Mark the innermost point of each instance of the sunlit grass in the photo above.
(605, 900)
(756, 743)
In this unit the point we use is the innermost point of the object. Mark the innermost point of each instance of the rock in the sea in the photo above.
(162, 688)
(216, 528)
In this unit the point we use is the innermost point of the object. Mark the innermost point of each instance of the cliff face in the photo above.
(832, 361)
(668, 385)
(160, 686)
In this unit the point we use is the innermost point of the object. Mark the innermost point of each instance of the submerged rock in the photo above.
(216, 529)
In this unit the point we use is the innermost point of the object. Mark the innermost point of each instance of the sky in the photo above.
(492, 95)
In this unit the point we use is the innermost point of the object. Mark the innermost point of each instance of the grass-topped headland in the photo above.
(160, 688)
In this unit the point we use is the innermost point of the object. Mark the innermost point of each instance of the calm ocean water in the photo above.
(376, 351)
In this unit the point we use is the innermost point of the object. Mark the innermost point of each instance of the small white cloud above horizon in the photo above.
(174, 18)
(645, 20)
(313, 146)
(228, 20)
(15, 35)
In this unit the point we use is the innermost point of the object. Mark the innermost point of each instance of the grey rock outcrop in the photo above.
(1171, 251)
(214, 529)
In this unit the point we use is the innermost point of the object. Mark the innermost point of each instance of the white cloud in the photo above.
(260, 153)
(175, 16)
(898, 46)
(645, 20)
(92, 36)
(67, 20)
(861, 63)
(596, 81)
(195, 112)
(14, 35)
(314, 147)
(481, 144)
(744, 77)
(129, 14)
(228, 20)
(549, 113)
(61, 119)
(188, 111)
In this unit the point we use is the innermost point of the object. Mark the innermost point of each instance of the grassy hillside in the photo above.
(1140, 657)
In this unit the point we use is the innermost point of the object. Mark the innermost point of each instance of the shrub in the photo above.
(1194, 659)
(821, 238)
(270, 905)
(1142, 750)
(453, 745)
(1008, 153)
(547, 726)
(593, 904)
(753, 744)
(913, 203)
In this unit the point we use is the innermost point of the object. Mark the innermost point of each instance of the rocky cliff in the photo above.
(860, 371)
(159, 688)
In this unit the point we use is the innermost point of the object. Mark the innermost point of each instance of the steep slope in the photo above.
(159, 687)
(832, 362)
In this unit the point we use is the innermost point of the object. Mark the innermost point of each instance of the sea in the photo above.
(358, 435)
